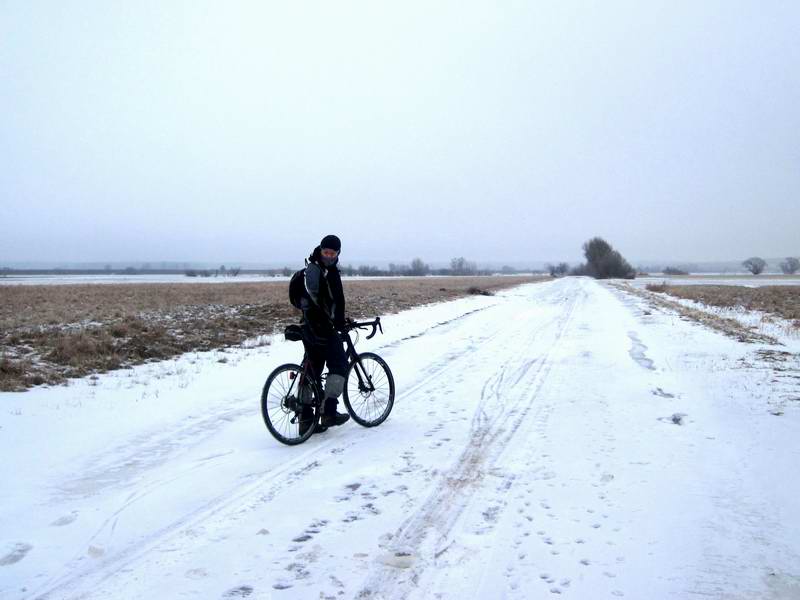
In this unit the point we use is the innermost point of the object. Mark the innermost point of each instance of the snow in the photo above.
(751, 281)
(557, 439)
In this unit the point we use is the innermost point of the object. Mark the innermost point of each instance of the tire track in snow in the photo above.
(131, 465)
(489, 438)
(252, 484)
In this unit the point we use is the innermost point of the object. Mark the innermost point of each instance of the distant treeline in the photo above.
(417, 267)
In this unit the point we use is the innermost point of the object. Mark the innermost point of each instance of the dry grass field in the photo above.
(50, 333)
(782, 301)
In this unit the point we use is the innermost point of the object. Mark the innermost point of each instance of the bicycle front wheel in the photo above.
(369, 390)
(287, 405)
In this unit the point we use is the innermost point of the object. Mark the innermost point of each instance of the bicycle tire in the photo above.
(280, 411)
(358, 401)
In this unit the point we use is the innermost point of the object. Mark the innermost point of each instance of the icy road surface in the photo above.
(556, 440)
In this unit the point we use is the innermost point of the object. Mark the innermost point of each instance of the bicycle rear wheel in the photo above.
(369, 390)
(286, 395)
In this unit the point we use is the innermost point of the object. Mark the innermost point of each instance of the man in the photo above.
(323, 318)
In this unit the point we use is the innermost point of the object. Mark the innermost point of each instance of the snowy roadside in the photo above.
(782, 330)
(751, 281)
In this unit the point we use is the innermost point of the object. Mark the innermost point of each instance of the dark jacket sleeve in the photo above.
(312, 279)
(337, 292)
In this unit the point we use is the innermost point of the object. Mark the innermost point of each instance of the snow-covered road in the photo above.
(559, 438)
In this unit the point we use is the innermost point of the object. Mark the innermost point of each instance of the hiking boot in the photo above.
(333, 420)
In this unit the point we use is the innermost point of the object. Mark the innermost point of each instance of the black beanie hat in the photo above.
(332, 242)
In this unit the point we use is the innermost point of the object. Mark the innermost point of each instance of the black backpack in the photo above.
(297, 288)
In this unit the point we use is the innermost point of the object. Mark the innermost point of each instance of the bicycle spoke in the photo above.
(283, 421)
(378, 382)
(369, 391)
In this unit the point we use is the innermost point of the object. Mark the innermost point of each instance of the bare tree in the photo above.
(461, 266)
(596, 249)
(418, 267)
(558, 270)
(368, 271)
(755, 265)
(790, 266)
(400, 269)
(603, 262)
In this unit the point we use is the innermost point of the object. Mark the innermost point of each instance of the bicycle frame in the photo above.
(358, 368)
(364, 381)
(306, 385)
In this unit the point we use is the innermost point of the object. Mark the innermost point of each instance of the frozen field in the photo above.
(743, 280)
(111, 279)
(561, 439)
(246, 278)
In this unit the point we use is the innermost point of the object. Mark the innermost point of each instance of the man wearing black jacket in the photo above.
(323, 318)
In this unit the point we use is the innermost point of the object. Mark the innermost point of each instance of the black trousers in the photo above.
(330, 352)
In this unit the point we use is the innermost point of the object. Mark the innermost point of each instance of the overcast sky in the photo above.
(502, 131)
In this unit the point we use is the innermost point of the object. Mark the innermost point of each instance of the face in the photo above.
(328, 256)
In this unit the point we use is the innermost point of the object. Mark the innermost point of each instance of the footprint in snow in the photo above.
(299, 570)
(17, 553)
(243, 591)
(196, 573)
(65, 520)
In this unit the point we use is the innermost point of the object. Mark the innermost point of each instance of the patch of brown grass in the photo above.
(728, 327)
(49, 333)
(657, 287)
(779, 300)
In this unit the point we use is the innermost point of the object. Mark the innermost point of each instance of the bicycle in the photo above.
(368, 390)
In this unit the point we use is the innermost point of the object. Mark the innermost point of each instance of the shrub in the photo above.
(790, 266)
(657, 287)
(476, 291)
(558, 270)
(755, 265)
(674, 271)
(603, 262)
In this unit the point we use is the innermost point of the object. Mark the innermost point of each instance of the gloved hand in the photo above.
(345, 326)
